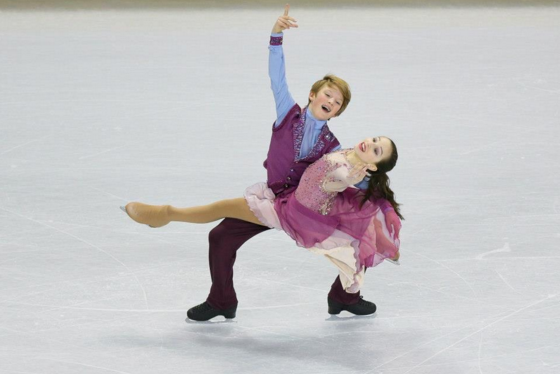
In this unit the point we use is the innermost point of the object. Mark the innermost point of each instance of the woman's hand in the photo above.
(358, 172)
(284, 21)
(393, 223)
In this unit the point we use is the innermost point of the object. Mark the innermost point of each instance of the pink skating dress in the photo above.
(324, 215)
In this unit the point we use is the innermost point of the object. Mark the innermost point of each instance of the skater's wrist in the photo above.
(276, 38)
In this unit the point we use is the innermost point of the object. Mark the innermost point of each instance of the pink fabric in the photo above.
(305, 226)
(260, 199)
(309, 193)
(366, 225)
(312, 215)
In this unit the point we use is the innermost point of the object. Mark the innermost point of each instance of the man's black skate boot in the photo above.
(361, 308)
(205, 311)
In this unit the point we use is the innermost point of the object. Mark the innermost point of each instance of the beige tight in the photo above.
(161, 215)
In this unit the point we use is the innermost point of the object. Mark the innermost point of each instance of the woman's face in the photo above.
(374, 150)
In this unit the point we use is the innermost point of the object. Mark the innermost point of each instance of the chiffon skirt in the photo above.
(351, 237)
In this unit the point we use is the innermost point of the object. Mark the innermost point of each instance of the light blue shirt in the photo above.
(284, 102)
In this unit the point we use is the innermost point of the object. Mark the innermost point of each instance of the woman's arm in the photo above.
(343, 177)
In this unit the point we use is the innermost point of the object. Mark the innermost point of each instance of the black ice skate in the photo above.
(361, 308)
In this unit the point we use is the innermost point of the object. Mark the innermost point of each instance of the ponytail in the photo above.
(378, 185)
(378, 188)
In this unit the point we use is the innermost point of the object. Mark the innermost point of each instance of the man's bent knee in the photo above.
(218, 235)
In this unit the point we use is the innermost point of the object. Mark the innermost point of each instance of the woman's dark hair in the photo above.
(378, 186)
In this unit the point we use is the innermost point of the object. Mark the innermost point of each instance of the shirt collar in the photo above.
(317, 125)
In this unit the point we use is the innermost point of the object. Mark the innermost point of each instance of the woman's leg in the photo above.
(161, 215)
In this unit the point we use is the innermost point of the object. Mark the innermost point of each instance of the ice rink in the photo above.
(98, 108)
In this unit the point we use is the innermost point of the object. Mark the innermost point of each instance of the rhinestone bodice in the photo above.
(311, 191)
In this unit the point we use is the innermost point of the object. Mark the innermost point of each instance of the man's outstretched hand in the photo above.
(284, 22)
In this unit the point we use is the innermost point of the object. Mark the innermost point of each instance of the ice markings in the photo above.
(505, 281)
(88, 243)
(99, 153)
(505, 248)
(19, 146)
(83, 364)
(549, 297)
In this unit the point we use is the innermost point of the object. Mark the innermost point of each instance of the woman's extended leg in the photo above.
(161, 215)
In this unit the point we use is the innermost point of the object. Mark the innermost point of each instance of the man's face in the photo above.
(326, 103)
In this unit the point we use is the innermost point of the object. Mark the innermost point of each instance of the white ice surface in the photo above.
(101, 108)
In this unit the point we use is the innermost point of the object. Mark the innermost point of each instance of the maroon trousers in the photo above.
(225, 239)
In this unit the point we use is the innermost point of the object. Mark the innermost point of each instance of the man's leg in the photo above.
(339, 300)
(224, 240)
(337, 293)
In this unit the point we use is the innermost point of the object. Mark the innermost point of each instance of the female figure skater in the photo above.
(325, 213)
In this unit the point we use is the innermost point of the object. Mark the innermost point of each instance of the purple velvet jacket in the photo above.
(284, 168)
